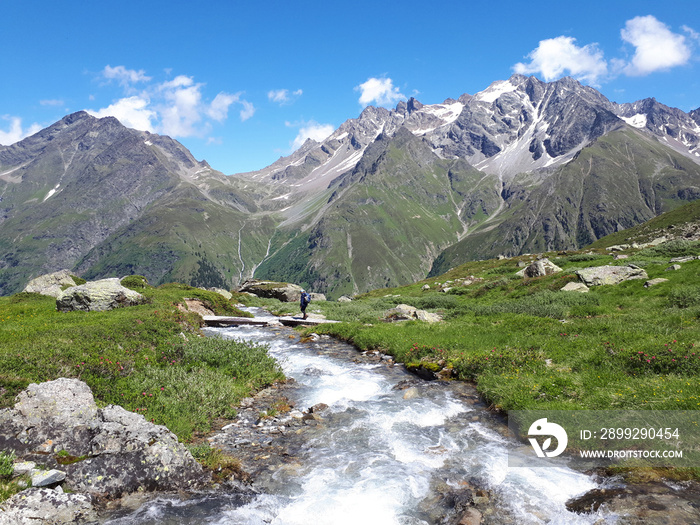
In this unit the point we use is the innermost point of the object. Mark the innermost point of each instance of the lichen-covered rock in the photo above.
(654, 282)
(602, 275)
(539, 268)
(117, 452)
(51, 284)
(98, 296)
(228, 295)
(344, 299)
(575, 287)
(317, 296)
(46, 478)
(404, 312)
(284, 292)
(47, 506)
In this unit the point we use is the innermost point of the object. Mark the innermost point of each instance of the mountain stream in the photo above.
(387, 449)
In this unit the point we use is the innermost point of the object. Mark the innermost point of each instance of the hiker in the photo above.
(305, 300)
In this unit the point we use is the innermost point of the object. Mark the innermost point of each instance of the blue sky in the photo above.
(242, 83)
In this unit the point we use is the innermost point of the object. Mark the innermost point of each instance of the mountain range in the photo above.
(386, 199)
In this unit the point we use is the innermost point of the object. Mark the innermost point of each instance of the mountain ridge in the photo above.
(387, 198)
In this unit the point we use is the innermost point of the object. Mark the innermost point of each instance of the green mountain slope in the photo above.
(681, 223)
(103, 200)
(184, 238)
(386, 220)
(621, 180)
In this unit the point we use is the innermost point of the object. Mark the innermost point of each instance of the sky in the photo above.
(242, 83)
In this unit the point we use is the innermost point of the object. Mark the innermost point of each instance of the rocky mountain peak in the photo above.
(413, 105)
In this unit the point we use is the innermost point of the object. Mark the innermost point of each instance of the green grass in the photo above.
(151, 359)
(8, 486)
(527, 345)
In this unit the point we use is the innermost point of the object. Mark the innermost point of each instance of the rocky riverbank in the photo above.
(109, 453)
(67, 444)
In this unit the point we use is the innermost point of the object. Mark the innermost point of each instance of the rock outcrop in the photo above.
(600, 275)
(113, 451)
(575, 287)
(404, 312)
(98, 296)
(51, 284)
(284, 292)
(539, 268)
(47, 506)
(654, 282)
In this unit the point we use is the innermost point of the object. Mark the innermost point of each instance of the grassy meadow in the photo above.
(528, 345)
(150, 359)
(523, 342)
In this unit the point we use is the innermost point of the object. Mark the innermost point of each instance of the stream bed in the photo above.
(361, 441)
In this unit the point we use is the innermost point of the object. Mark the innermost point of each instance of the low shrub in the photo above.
(135, 282)
(504, 360)
(585, 257)
(78, 280)
(433, 301)
(221, 464)
(684, 296)
(673, 248)
(556, 305)
(671, 358)
(7, 463)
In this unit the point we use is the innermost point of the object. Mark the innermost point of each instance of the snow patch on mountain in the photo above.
(51, 192)
(514, 126)
(638, 121)
(494, 91)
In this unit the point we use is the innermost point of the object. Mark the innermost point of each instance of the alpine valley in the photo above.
(388, 198)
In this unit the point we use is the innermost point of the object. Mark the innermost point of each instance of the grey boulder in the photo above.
(284, 292)
(539, 268)
(47, 506)
(602, 275)
(404, 312)
(98, 296)
(575, 287)
(118, 451)
(51, 284)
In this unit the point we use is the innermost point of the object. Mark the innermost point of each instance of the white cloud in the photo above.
(282, 96)
(278, 95)
(175, 107)
(133, 112)
(16, 132)
(125, 76)
(379, 90)
(691, 32)
(181, 111)
(247, 111)
(656, 46)
(310, 130)
(556, 57)
(218, 109)
(179, 81)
